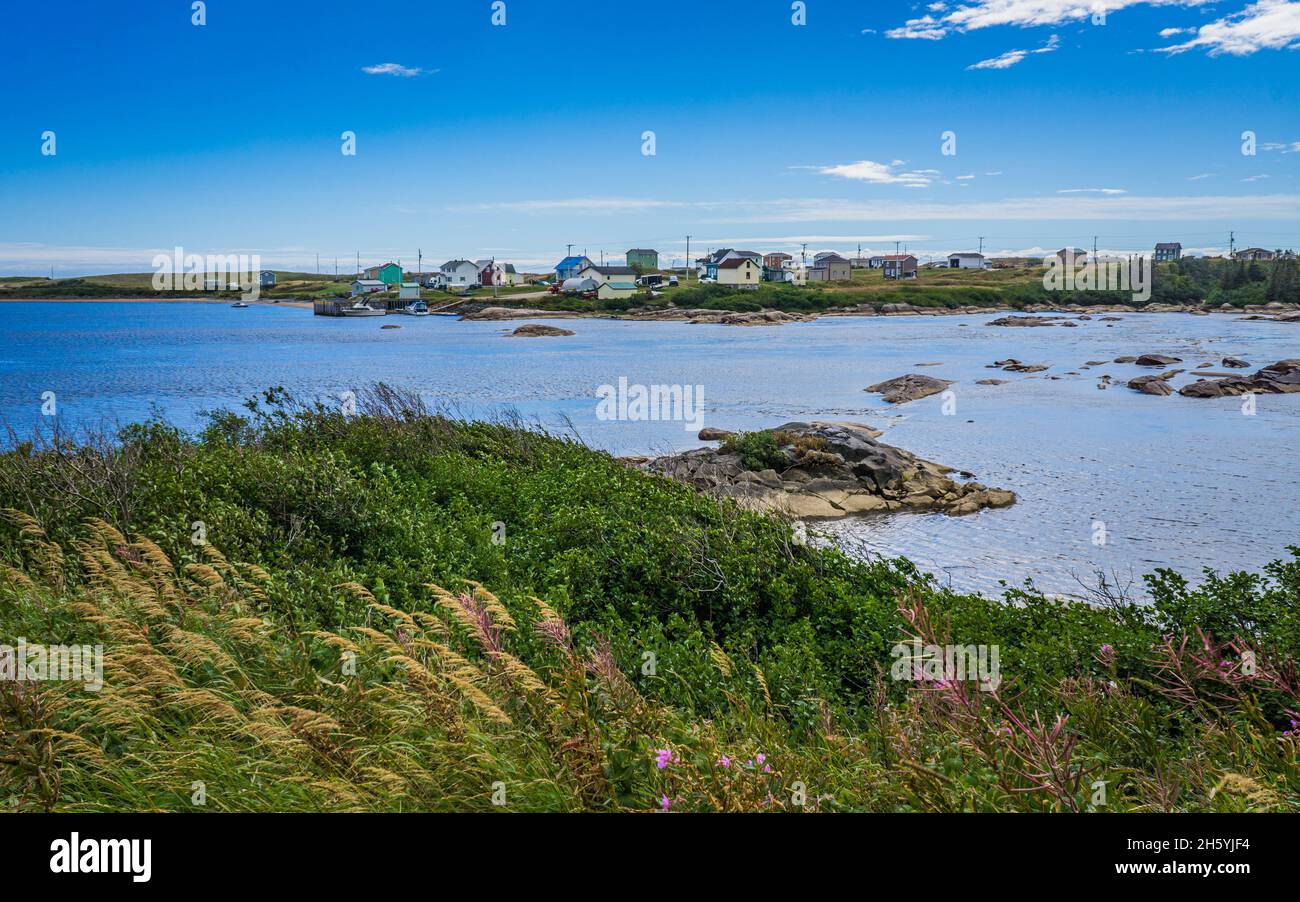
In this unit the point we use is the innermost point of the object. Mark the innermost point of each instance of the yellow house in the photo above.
(740, 271)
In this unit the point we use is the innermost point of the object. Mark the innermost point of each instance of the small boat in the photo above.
(240, 304)
(416, 308)
(360, 308)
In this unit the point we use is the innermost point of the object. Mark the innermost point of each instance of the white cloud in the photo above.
(963, 178)
(926, 28)
(392, 69)
(1262, 25)
(882, 173)
(1197, 178)
(1285, 147)
(1255, 178)
(1109, 191)
(1265, 25)
(1011, 57)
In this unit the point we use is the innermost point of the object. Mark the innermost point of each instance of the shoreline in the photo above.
(487, 312)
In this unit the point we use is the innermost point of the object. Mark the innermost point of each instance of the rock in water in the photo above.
(537, 330)
(1152, 385)
(1235, 363)
(1281, 378)
(909, 388)
(1156, 360)
(829, 470)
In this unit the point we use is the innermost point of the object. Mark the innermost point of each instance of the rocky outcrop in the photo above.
(1235, 363)
(709, 434)
(1155, 360)
(493, 314)
(1026, 321)
(537, 330)
(829, 470)
(759, 318)
(1279, 378)
(908, 388)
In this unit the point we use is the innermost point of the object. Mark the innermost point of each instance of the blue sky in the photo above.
(513, 141)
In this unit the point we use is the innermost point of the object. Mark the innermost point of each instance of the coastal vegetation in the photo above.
(302, 609)
(1191, 280)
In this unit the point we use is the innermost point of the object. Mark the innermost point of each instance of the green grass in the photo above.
(330, 647)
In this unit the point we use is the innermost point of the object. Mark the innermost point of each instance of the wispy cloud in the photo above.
(1197, 178)
(976, 14)
(1012, 57)
(1265, 25)
(1285, 146)
(882, 173)
(589, 205)
(1108, 191)
(394, 69)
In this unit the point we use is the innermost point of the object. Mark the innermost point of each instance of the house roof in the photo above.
(967, 254)
(572, 262)
(453, 264)
(829, 258)
(367, 282)
(614, 270)
(781, 254)
(621, 286)
(643, 250)
(898, 257)
(734, 263)
(1169, 245)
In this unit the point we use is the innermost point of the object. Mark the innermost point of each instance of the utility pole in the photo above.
(896, 244)
(419, 261)
(689, 265)
(803, 254)
(493, 266)
(1094, 248)
(318, 263)
(358, 264)
(981, 245)
(1232, 245)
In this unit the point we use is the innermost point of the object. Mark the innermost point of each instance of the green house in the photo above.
(643, 258)
(389, 273)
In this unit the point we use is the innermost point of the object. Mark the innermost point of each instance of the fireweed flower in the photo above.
(1106, 649)
(664, 803)
(725, 761)
(761, 758)
(663, 758)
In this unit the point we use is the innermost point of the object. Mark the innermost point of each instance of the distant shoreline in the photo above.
(296, 303)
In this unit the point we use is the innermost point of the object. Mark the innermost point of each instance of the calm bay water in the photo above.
(1177, 482)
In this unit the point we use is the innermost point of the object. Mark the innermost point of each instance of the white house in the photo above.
(603, 274)
(967, 261)
(409, 291)
(461, 274)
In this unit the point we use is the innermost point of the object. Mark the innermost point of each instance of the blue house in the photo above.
(569, 267)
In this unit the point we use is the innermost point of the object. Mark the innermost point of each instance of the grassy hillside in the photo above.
(393, 611)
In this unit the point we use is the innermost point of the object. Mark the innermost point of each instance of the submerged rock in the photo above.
(908, 388)
(829, 470)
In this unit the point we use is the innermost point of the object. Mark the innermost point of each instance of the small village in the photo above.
(390, 288)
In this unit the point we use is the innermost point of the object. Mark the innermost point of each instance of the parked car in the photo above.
(672, 280)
